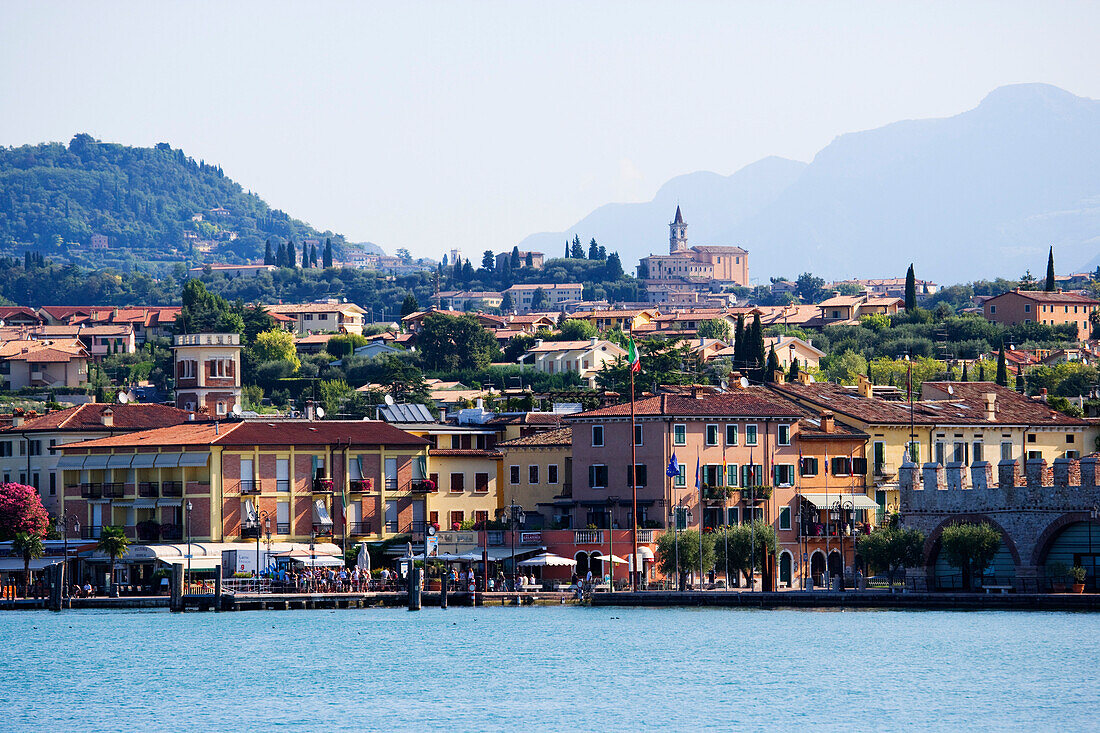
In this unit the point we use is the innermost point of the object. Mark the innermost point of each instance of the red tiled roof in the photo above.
(751, 402)
(464, 453)
(1042, 296)
(89, 417)
(547, 438)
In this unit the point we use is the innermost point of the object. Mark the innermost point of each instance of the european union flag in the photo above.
(673, 469)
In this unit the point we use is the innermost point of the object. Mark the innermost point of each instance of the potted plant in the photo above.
(1078, 574)
(1057, 572)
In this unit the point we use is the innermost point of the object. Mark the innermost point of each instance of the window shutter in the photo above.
(231, 368)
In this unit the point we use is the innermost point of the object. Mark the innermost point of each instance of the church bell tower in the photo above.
(677, 234)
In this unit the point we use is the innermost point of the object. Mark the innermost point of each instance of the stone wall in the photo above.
(1028, 506)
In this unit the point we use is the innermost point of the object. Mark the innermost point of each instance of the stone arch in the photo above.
(786, 568)
(1046, 539)
(932, 542)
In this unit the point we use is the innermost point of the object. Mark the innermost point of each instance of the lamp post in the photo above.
(63, 520)
(187, 521)
(841, 506)
(515, 515)
(262, 518)
(611, 501)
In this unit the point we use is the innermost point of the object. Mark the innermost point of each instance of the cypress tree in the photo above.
(792, 375)
(1020, 385)
(410, 305)
(910, 290)
(772, 367)
(515, 258)
(280, 255)
(965, 377)
(1049, 287)
(981, 372)
(593, 250)
(269, 256)
(530, 262)
(305, 255)
(1002, 369)
(327, 257)
(313, 255)
(739, 342)
(755, 355)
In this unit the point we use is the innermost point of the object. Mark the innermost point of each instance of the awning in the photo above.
(71, 461)
(9, 564)
(197, 563)
(496, 554)
(194, 459)
(119, 460)
(249, 513)
(320, 513)
(318, 561)
(546, 559)
(828, 501)
(167, 460)
(96, 460)
(615, 559)
(143, 460)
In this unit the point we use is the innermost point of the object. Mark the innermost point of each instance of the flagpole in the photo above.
(634, 486)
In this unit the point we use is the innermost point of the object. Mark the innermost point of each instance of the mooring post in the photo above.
(444, 582)
(217, 588)
(176, 600)
(414, 589)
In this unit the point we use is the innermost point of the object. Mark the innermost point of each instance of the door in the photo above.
(391, 475)
(247, 475)
(282, 475)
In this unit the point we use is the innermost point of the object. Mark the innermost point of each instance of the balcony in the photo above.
(362, 485)
(171, 489)
(717, 494)
(360, 528)
(171, 532)
(645, 536)
(756, 494)
(282, 484)
(148, 490)
(91, 491)
(322, 485)
(282, 528)
(113, 491)
(249, 487)
(322, 529)
(89, 532)
(426, 486)
(250, 531)
(148, 531)
(588, 536)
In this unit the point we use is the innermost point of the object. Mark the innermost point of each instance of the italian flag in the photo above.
(632, 356)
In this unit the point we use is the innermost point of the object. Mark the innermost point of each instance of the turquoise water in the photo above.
(548, 668)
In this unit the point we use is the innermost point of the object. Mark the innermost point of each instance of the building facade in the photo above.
(1037, 306)
(208, 372)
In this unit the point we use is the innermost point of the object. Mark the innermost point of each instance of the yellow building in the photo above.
(538, 474)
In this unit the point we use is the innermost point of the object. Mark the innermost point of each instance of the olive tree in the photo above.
(970, 547)
(891, 549)
(678, 553)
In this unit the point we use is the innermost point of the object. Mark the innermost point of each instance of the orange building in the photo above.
(1039, 306)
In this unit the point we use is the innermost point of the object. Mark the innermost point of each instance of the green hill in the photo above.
(156, 205)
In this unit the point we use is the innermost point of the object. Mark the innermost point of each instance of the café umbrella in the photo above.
(546, 560)
(613, 558)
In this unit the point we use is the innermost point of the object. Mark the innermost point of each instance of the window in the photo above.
(784, 435)
(597, 436)
(282, 474)
(639, 469)
(712, 435)
(533, 474)
(733, 515)
(1072, 454)
(914, 450)
(712, 475)
(752, 475)
(750, 435)
(731, 434)
(1031, 438)
(481, 517)
(513, 475)
(481, 482)
(458, 482)
(5, 448)
(552, 473)
(1034, 454)
(1027, 307)
(731, 474)
(53, 484)
(1069, 438)
(840, 466)
(53, 444)
(679, 434)
(457, 518)
(976, 451)
(1006, 450)
(597, 477)
(992, 310)
(879, 452)
(808, 467)
(784, 474)
(940, 452)
(958, 452)
(681, 477)
(785, 518)
(637, 435)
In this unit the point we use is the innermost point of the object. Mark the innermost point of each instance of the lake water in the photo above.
(548, 668)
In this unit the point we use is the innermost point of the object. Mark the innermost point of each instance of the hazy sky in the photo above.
(473, 124)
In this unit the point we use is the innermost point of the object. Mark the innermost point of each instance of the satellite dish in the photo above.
(320, 412)
(123, 398)
(811, 378)
(389, 400)
(744, 382)
(724, 384)
(237, 409)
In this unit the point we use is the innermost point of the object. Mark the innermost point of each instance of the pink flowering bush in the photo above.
(21, 510)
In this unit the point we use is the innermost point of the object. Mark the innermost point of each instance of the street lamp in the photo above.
(841, 506)
(188, 523)
(262, 520)
(515, 515)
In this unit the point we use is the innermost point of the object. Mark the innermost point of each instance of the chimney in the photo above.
(990, 406)
(16, 420)
(828, 424)
(594, 341)
(217, 428)
(1043, 394)
(107, 417)
(538, 343)
(866, 389)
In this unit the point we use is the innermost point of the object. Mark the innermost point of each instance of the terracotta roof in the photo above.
(611, 313)
(751, 402)
(1041, 296)
(61, 350)
(547, 438)
(550, 346)
(255, 432)
(529, 418)
(89, 418)
(966, 406)
(311, 308)
(464, 453)
(7, 312)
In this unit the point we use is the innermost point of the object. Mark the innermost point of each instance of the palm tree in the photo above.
(31, 548)
(113, 543)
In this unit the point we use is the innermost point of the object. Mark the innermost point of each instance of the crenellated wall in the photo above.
(1029, 506)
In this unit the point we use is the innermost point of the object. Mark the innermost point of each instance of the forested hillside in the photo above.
(156, 205)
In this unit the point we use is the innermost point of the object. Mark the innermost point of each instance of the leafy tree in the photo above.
(1049, 284)
(662, 362)
(717, 328)
(743, 542)
(684, 547)
(539, 300)
(327, 257)
(28, 546)
(276, 345)
(970, 547)
(846, 367)
(21, 510)
(467, 271)
(345, 344)
(517, 346)
(449, 343)
(1069, 379)
(332, 393)
(809, 287)
(910, 290)
(574, 329)
(112, 543)
(205, 312)
(252, 396)
(409, 305)
(507, 305)
(891, 549)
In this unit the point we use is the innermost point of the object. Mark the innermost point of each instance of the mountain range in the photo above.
(978, 195)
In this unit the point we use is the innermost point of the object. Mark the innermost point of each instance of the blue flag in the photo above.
(673, 469)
